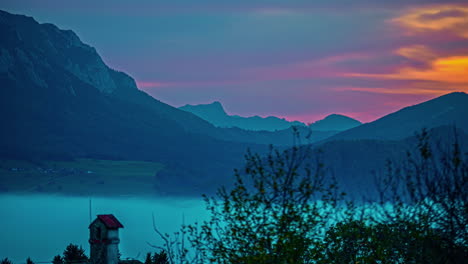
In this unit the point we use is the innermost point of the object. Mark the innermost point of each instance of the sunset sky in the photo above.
(300, 60)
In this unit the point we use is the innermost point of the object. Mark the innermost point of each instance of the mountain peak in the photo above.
(455, 94)
(214, 108)
(215, 114)
(217, 105)
(59, 50)
(335, 122)
(10, 18)
(336, 116)
(452, 96)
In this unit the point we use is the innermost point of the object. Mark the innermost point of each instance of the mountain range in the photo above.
(60, 101)
(216, 115)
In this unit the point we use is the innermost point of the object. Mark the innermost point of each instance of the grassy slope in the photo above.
(80, 177)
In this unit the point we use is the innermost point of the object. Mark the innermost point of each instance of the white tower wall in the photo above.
(113, 247)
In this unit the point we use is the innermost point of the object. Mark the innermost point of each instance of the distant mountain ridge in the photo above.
(335, 122)
(450, 109)
(216, 115)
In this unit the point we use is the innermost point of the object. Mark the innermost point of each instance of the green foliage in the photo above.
(148, 259)
(74, 254)
(399, 242)
(57, 260)
(160, 258)
(430, 191)
(157, 258)
(274, 213)
(421, 218)
(283, 209)
(6, 261)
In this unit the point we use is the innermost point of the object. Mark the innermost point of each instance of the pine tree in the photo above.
(148, 259)
(160, 258)
(57, 260)
(74, 254)
(6, 261)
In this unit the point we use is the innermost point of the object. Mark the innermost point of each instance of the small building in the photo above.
(104, 239)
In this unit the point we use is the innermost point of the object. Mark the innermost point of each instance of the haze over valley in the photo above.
(81, 136)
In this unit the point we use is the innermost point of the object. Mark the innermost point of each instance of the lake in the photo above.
(41, 226)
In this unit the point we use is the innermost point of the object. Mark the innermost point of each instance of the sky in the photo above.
(299, 60)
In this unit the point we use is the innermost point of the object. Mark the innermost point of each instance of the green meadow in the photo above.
(81, 177)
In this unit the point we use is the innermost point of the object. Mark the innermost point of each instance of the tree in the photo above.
(388, 243)
(157, 258)
(283, 209)
(174, 249)
(421, 216)
(57, 260)
(160, 258)
(148, 259)
(430, 190)
(74, 254)
(275, 212)
(6, 261)
(29, 261)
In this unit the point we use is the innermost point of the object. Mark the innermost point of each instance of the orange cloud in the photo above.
(434, 92)
(431, 72)
(417, 53)
(453, 69)
(453, 18)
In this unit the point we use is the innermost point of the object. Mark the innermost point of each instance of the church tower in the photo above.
(104, 239)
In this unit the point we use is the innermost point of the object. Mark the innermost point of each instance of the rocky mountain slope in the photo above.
(58, 100)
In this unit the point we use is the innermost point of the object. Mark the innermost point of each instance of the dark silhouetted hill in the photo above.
(450, 109)
(356, 163)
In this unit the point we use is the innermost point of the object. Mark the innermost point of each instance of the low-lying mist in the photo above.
(41, 226)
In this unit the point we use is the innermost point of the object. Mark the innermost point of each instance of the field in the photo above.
(83, 177)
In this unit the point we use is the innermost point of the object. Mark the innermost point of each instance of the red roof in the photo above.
(110, 221)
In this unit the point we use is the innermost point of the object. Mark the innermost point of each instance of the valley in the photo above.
(332, 135)
(82, 177)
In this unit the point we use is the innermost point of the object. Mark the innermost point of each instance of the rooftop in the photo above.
(110, 221)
